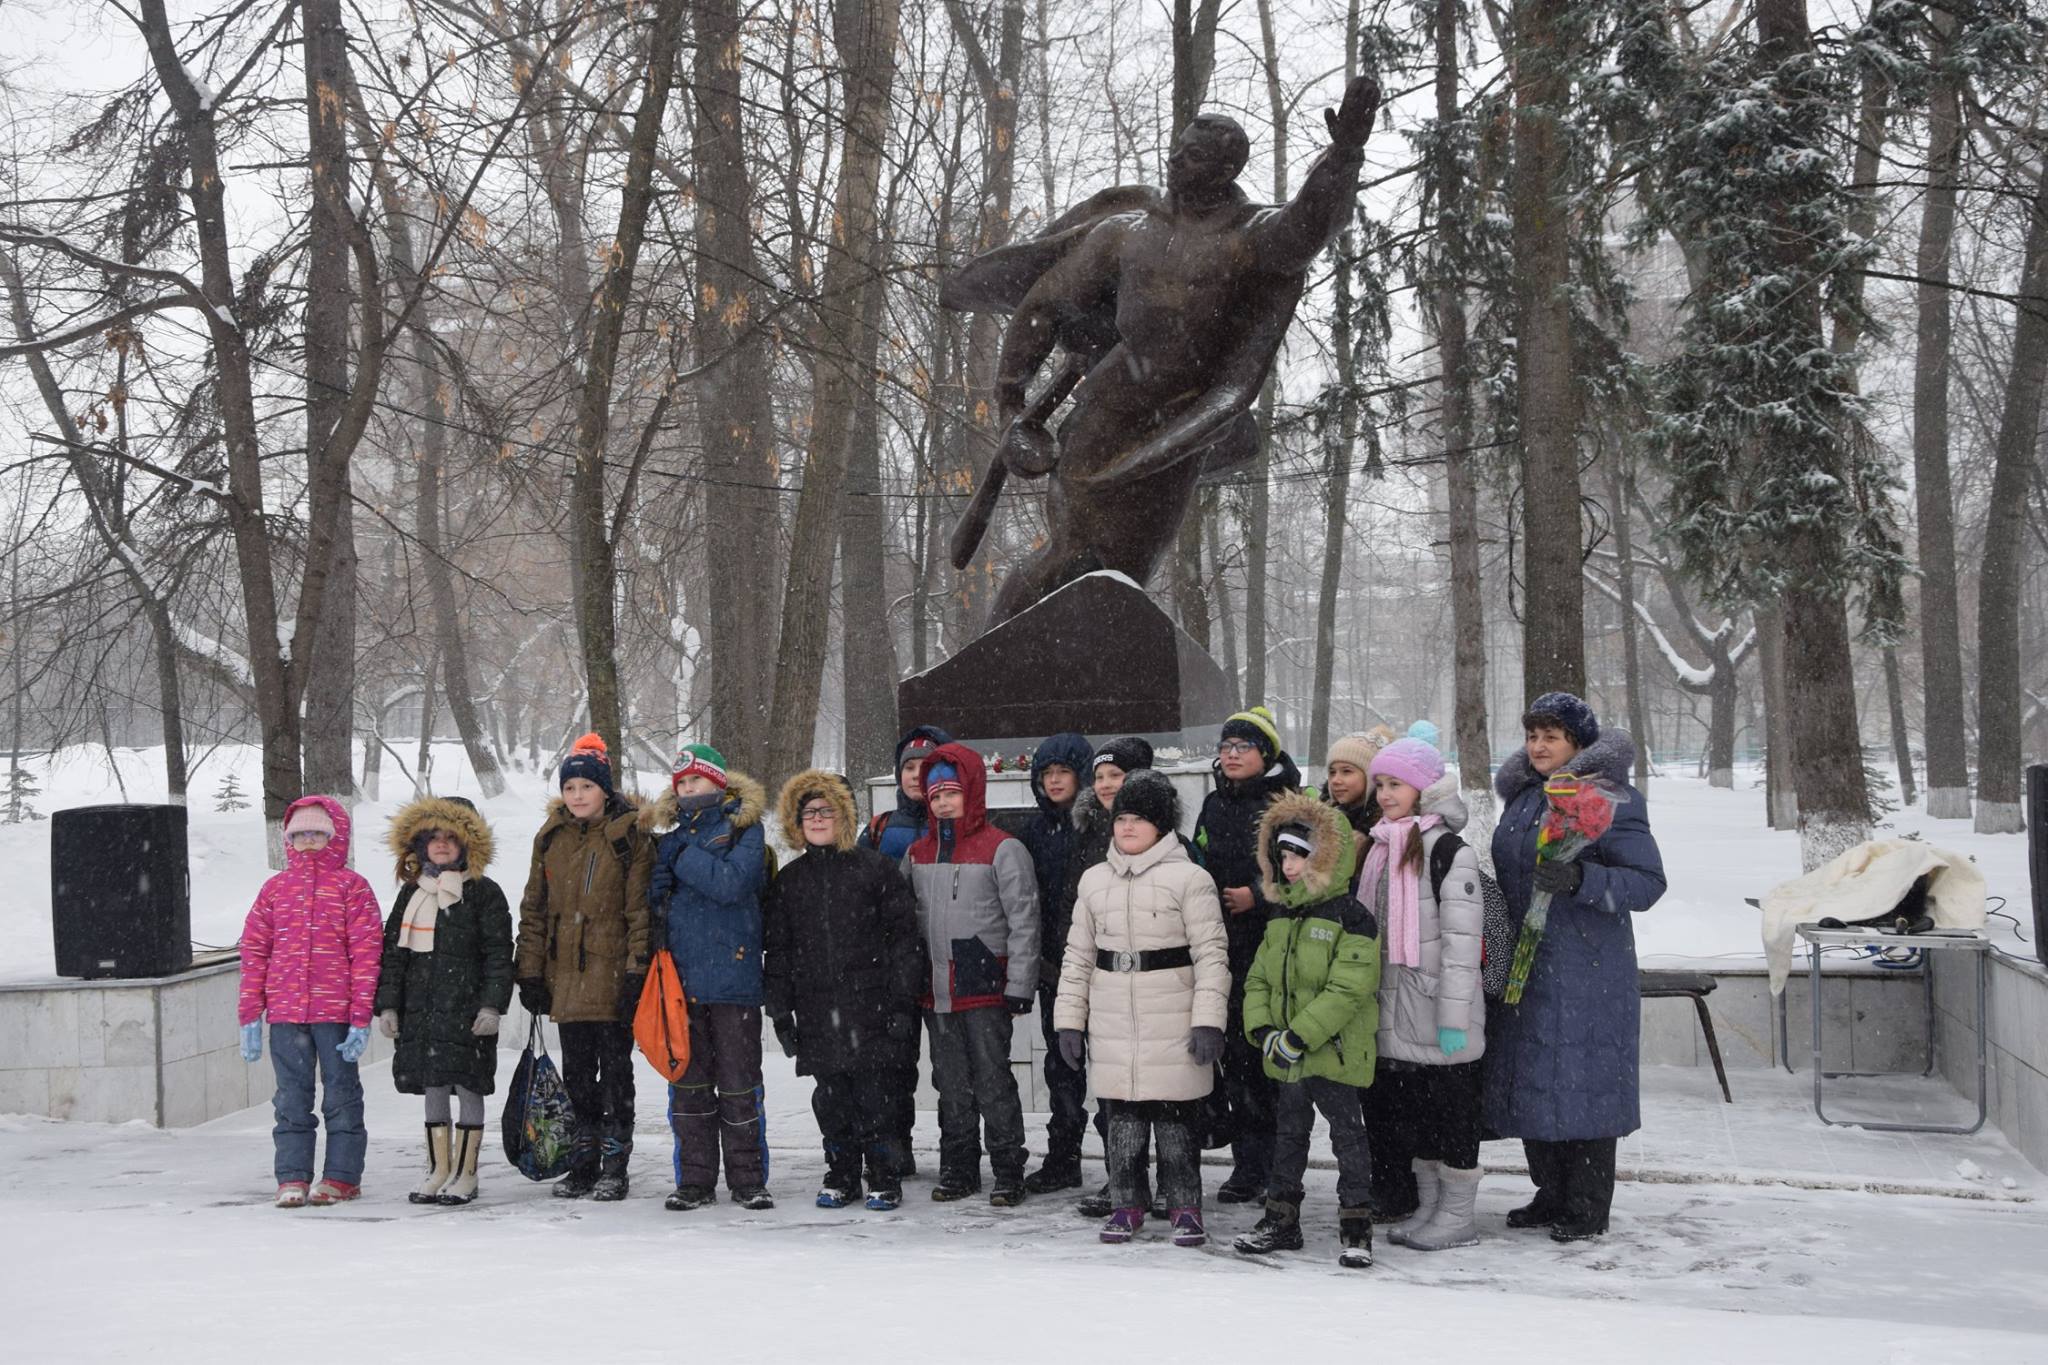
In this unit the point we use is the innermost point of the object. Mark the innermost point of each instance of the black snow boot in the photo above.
(583, 1152)
(1279, 1230)
(612, 1181)
(1354, 1235)
(1008, 1191)
(954, 1186)
(1060, 1172)
(686, 1197)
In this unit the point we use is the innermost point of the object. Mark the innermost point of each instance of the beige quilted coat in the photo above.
(1138, 1022)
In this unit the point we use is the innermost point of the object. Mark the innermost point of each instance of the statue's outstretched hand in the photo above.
(1352, 124)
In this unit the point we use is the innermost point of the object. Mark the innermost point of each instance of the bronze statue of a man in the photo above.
(1170, 308)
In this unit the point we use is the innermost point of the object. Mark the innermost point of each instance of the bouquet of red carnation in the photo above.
(1581, 810)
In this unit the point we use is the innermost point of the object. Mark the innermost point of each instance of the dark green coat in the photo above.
(437, 994)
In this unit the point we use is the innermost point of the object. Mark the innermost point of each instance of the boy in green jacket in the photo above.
(1311, 1008)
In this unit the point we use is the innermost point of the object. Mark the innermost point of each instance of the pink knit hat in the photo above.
(1411, 760)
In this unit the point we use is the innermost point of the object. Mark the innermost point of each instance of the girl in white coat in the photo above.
(1425, 1099)
(1144, 987)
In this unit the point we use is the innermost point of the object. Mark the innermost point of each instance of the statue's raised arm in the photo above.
(1288, 238)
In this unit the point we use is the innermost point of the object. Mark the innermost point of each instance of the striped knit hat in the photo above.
(589, 760)
(703, 761)
(1255, 726)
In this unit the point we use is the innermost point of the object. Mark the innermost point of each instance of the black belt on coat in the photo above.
(1150, 960)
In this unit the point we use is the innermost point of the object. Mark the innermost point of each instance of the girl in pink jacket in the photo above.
(310, 952)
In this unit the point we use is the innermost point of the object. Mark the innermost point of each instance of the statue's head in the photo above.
(1209, 154)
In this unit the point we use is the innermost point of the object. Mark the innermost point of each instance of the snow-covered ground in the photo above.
(1717, 851)
(129, 1240)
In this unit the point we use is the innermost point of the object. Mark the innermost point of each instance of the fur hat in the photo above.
(815, 784)
(1411, 760)
(1255, 726)
(1129, 753)
(1568, 713)
(703, 761)
(1333, 849)
(590, 760)
(1150, 796)
(416, 820)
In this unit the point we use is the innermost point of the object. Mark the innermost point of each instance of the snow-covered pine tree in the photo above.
(1777, 491)
(21, 793)
(229, 795)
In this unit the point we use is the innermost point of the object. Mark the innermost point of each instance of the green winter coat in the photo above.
(1317, 970)
(437, 995)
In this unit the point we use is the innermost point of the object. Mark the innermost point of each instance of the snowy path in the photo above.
(129, 1239)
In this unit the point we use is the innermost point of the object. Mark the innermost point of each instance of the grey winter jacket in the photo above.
(1444, 991)
(977, 900)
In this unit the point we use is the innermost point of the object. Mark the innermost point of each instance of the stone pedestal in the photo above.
(1098, 656)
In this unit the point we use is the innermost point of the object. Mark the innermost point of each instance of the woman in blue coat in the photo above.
(1561, 1065)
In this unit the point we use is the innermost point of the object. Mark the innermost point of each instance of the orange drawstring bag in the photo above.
(661, 1022)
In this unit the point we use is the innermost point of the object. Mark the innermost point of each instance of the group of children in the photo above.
(1303, 953)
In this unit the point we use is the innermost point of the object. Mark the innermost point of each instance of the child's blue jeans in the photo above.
(297, 1053)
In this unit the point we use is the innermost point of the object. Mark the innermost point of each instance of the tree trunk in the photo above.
(1902, 740)
(331, 675)
(1781, 793)
(869, 647)
(1338, 447)
(1461, 481)
(1820, 678)
(1631, 661)
(433, 401)
(1259, 499)
(740, 460)
(1999, 579)
(589, 504)
(269, 651)
(996, 78)
(1941, 651)
(1547, 410)
(864, 32)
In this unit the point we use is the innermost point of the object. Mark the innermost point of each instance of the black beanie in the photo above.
(1129, 753)
(1149, 795)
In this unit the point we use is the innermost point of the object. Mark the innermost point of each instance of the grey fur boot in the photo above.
(1453, 1224)
(1428, 1189)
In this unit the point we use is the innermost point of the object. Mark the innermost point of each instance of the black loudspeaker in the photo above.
(2037, 853)
(120, 891)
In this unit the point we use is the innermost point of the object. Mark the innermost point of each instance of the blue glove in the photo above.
(1451, 1040)
(252, 1042)
(351, 1048)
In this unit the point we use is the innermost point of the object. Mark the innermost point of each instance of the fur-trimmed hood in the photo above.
(746, 801)
(1611, 758)
(789, 808)
(1442, 800)
(439, 812)
(1334, 848)
(1087, 811)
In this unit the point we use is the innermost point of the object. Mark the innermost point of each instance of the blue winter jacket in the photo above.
(1562, 1063)
(710, 871)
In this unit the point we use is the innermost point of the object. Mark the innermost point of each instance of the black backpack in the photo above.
(1497, 932)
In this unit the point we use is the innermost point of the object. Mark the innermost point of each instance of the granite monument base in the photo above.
(1098, 656)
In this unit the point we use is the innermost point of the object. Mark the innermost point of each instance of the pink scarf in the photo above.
(1403, 900)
